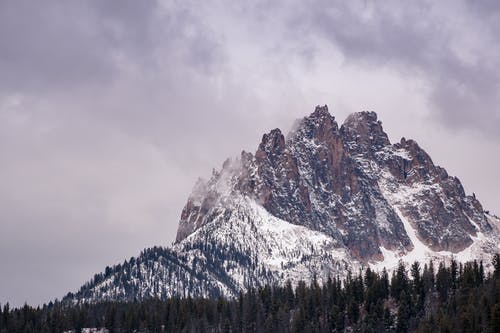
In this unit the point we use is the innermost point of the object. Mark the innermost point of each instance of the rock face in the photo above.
(349, 183)
(322, 200)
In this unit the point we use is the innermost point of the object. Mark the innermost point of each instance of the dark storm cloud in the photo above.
(485, 7)
(40, 51)
(57, 45)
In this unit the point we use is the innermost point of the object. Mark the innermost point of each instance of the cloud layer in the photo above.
(109, 111)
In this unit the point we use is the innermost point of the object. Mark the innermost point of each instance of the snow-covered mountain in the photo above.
(325, 200)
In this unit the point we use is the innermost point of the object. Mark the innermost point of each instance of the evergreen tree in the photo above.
(496, 265)
(399, 281)
(495, 318)
(6, 315)
(443, 282)
(404, 312)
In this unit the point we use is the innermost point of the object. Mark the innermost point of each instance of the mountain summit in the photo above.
(324, 200)
(349, 183)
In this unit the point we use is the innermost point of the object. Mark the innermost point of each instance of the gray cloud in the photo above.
(450, 45)
(62, 45)
(39, 50)
(109, 111)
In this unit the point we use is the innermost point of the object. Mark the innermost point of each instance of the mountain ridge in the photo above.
(324, 200)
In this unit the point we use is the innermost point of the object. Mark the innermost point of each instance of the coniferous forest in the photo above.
(433, 298)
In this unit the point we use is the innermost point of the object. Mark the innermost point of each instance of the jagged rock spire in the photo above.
(319, 125)
(271, 146)
(364, 130)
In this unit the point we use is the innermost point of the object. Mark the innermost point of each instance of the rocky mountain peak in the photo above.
(271, 146)
(319, 125)
(346, 182)
(320, 112)
(324, 201)
(364, 131)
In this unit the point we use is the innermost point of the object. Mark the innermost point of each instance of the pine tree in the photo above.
(6, 315)
(109, 321)
(495, 318)
(384, 284)
(416, 278)
(496, 265)
(388, 320)
(399, 281)
(443, 282)
(404, 312)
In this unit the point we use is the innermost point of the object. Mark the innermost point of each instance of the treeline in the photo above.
(454, 298)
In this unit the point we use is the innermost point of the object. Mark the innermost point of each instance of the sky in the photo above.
(110, 110)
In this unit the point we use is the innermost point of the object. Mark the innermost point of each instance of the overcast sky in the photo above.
(110, 110)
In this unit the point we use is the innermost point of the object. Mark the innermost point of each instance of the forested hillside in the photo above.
(432, 298)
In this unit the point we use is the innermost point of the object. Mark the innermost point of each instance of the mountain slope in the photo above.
(323, 201)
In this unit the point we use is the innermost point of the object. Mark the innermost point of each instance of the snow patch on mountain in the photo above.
(282, 249)
(398, 195)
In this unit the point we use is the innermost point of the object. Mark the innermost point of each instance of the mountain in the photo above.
(324, 200)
